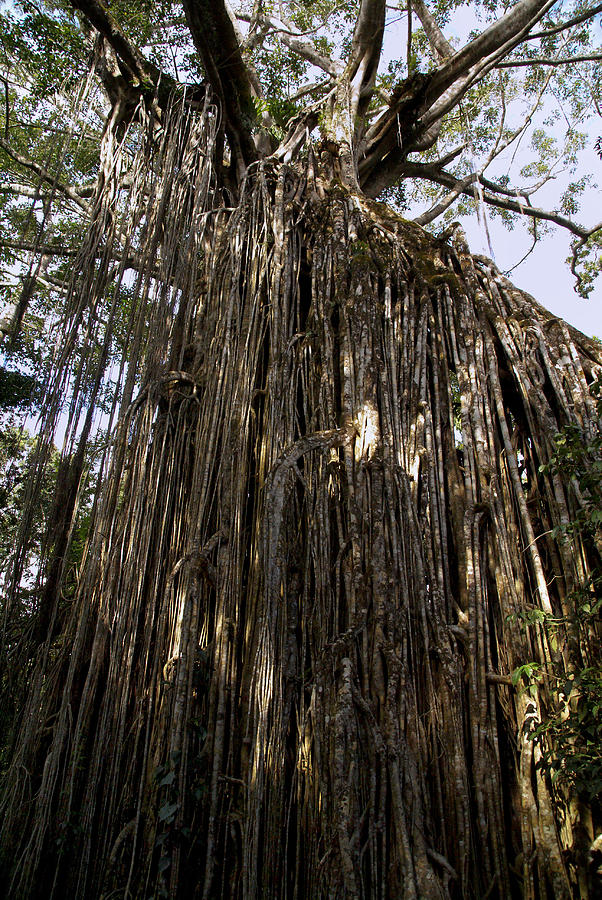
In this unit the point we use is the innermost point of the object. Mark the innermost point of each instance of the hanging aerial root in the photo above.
(297, 614)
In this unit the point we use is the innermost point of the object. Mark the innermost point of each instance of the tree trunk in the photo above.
(287, 668)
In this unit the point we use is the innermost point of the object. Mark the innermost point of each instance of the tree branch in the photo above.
(441, 47)
(450, 83)
(366, 48)
(273, 25)
(420, 103)
(501, 34)
(22, 190)
(387, 140)
(134, 64)
(44, 175)
(44, 249)
(123, 70)
(446, 179)
(577, 20)
(438, 208)
(323, 85)
(214, 37)
(127, 262)
(300, 127)
(26, 190)
(6, 107)
(451, 155)
(577, 246)
(306, 51)
(547, 61)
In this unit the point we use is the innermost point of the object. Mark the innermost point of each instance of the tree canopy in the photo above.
(490, 122)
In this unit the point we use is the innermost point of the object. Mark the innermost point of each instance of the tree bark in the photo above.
(297, 615)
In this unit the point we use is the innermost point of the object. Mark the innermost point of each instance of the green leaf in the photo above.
(167, 812)
(168, 779)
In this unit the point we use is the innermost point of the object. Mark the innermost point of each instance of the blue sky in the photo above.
(545, 273)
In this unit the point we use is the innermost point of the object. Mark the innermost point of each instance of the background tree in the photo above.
(320, 444)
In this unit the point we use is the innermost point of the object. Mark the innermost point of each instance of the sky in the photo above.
(545, 274)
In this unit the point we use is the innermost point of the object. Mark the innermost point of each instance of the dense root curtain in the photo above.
(285, 668)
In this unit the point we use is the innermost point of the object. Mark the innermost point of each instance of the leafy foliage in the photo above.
(571, 738)
(16, 389)
(570, 734)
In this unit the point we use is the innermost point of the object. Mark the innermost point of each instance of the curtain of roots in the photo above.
(284, 669)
